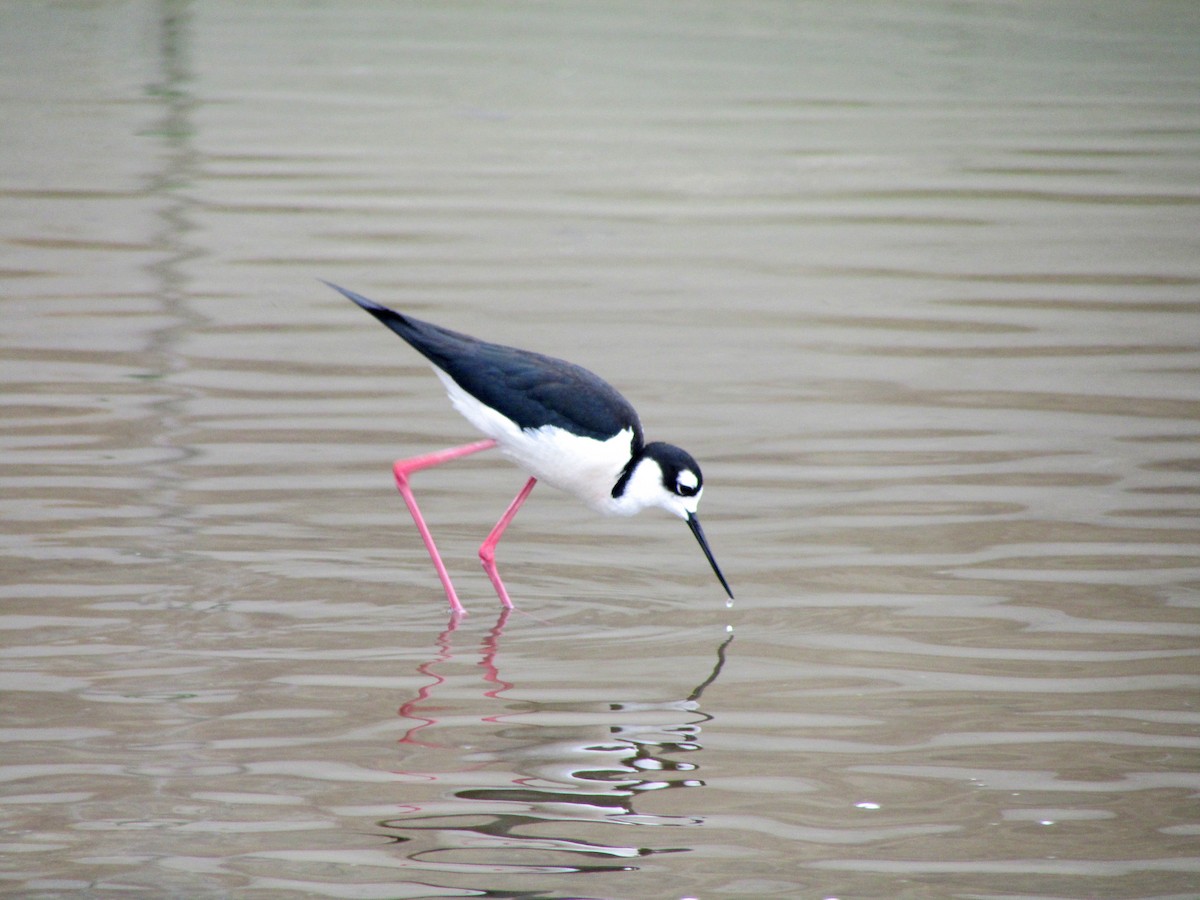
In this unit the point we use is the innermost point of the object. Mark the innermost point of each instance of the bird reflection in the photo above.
(547, 770)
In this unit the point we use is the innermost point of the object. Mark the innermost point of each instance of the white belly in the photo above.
(584, 467)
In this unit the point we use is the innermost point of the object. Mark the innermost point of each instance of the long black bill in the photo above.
(694, 524)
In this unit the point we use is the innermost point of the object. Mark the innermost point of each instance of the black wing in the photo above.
(531, 389)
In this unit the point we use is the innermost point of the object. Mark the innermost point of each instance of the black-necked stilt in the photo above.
(557, 421)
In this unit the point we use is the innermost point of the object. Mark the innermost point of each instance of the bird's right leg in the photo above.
(487, 552)
(402, 469)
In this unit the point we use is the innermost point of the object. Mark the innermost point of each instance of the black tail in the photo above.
(388, 317)
(441, 346)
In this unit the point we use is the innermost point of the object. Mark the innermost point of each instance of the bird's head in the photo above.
(668, 477)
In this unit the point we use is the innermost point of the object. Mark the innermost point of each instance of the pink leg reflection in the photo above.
(419, 710)
(491, 669)
(409, 709)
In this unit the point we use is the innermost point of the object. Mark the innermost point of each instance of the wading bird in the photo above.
(558, 422)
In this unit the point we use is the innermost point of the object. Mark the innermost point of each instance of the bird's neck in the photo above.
(639, 486)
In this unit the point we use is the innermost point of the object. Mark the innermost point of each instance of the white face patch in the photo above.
(689, 504)
(687, 480)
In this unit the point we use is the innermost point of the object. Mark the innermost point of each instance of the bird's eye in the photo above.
(687, 483)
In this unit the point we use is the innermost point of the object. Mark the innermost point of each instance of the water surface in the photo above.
(916, 283)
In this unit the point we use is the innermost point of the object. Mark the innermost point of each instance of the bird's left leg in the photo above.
(402, 469)
(487, 550)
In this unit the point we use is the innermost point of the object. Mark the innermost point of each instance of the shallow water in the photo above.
(917, 284)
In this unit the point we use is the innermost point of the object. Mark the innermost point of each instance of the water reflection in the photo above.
(547, 763)
(489, 649)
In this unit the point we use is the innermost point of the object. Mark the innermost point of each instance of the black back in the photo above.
(531, 389)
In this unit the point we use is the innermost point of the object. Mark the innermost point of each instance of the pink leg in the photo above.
(487, 551)
(402, 469)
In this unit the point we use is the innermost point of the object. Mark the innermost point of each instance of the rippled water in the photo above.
(919, 284)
